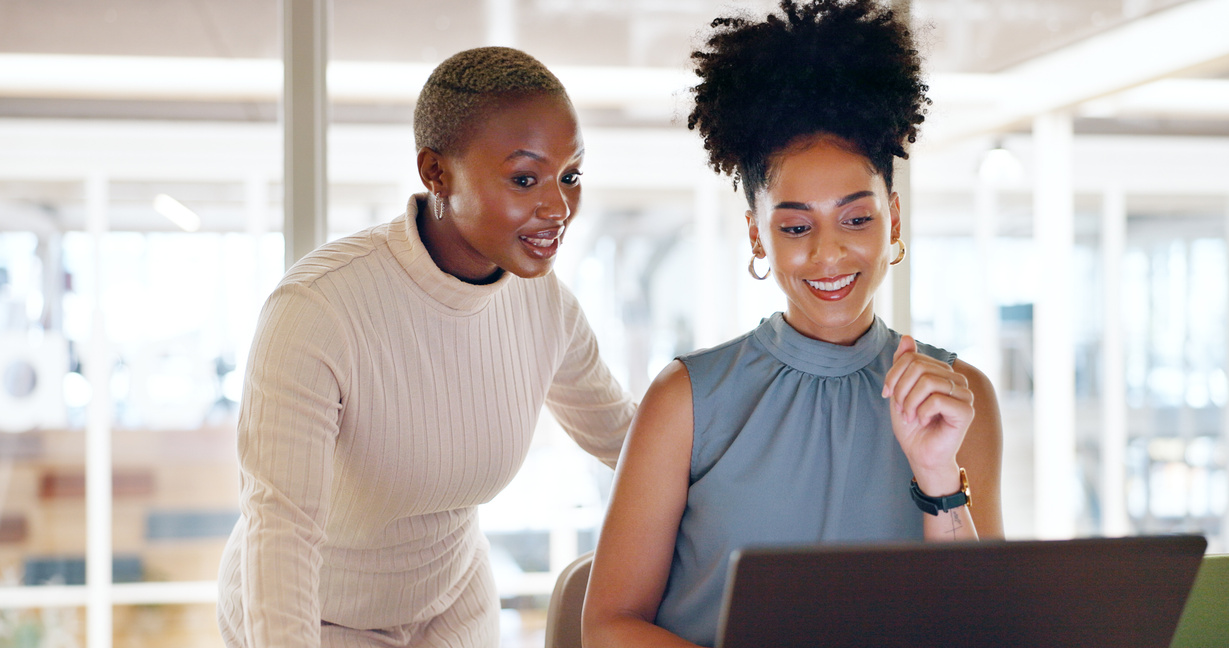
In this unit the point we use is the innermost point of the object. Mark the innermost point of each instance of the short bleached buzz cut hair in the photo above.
(468, 84)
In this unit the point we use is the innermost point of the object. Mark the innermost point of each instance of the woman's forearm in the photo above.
(630, 631)
(956, 524)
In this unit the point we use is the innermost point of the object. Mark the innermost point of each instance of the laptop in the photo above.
(1090, 593)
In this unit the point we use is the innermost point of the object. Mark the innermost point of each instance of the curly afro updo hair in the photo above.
(840, 67)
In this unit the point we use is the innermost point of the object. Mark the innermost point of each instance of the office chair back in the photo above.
(566, 602)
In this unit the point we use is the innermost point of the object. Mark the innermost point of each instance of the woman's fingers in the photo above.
(907, 345)
(933, 385)
(915, 378)
(931, 406)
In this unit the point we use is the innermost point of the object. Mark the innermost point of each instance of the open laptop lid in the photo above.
(1111, 592)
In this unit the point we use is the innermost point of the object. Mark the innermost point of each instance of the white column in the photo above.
(256, 204)
(1114, 519)
(899, 314)
(1056, 490)
(985, 230)
(256, 213)
(1224, 431)
(710, 262)
(51, 255)
(500, 23)
(305, 27)
(98, 431)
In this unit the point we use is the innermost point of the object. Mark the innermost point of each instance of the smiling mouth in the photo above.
(834, 284)
(540, 242)
(544, 243)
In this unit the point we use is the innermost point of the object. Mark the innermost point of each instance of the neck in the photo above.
(844, 335)
(449, 250)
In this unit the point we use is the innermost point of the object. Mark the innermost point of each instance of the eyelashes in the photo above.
(525, 181)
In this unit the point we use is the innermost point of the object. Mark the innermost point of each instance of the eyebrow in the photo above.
(523, 153)
(800, 206)
(519, 153)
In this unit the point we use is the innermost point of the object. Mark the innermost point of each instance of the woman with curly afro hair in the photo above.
(821, 424)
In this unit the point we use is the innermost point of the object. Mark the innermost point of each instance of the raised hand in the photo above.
(931, 407)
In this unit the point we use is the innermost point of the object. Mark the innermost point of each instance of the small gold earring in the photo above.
(900, 257)
(751, 269)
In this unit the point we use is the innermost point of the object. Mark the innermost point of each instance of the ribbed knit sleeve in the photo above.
(584, 397)
(287, 433)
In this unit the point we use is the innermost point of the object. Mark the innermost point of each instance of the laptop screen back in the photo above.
(1090, 592)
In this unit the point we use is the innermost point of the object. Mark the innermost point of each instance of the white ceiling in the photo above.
(993, 63)
(197, 83)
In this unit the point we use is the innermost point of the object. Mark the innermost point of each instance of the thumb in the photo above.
(907, 345)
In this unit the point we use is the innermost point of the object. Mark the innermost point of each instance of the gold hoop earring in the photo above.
(900, 257)
(439, 207)
(751, 269)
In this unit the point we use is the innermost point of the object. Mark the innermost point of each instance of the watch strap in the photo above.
(932, 505)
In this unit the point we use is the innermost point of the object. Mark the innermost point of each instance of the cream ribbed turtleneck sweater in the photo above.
(385, 400)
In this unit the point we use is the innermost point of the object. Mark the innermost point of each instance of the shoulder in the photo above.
(978, 381)
(933, 351)
(340, 261)
(985, 401)
(717, 358)
(663, 421)
(672, 384)
(332, 280)
(929, 350)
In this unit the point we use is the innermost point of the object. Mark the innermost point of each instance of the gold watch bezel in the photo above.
(964, 487)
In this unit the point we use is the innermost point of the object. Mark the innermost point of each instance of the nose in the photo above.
(829, 247)
(555, 204)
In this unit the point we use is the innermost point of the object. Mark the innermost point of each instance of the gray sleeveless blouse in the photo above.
(793, 444)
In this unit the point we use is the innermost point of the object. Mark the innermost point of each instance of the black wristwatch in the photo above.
(932, 505)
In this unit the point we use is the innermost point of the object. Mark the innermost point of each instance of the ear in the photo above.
(432, 170)
(753, 232)
(894, 209)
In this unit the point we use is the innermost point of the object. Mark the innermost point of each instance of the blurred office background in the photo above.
(1068, 211)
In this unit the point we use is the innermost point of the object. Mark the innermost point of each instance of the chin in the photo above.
(532, 272)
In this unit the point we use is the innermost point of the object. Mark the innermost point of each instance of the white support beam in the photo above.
(1224, 535)
(500, 23)
(987, 335)
(706, 201)
(63, 76)
(965, 104)
(149, 593)
(305, 33)
(1114, 519)
(1183, 98)
(900, 315)
(98, 554)
(1163, 44)
(153, 78)
(1056, 489)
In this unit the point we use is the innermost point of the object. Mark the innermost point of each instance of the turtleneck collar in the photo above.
(817, 357)
(455, 295)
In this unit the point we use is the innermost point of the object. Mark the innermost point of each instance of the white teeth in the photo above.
(544, 242)
(832, 285)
